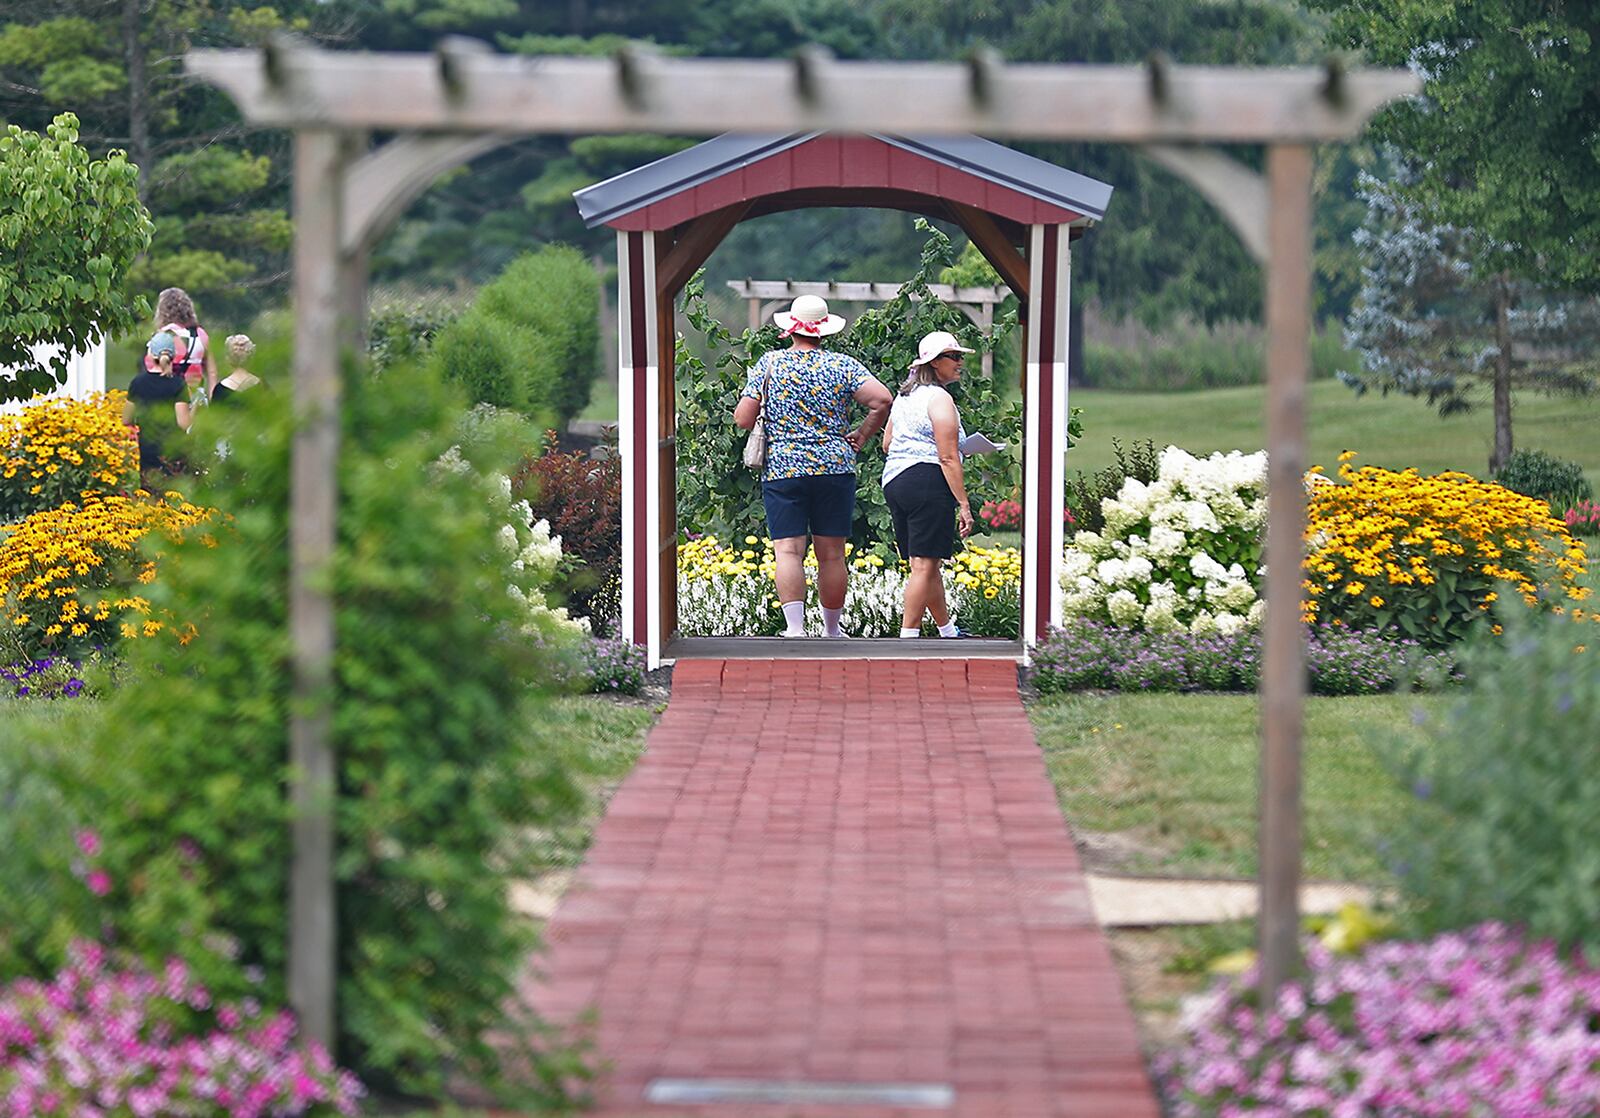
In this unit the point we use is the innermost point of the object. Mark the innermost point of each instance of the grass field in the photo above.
(1396, 431)
(1169, 781)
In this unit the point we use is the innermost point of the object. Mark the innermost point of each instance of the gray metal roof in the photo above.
(635, 189)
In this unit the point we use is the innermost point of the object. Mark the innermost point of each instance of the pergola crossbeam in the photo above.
(306, 87)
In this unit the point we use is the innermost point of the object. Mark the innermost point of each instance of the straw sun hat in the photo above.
(808, 315)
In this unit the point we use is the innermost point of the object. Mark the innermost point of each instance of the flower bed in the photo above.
(729, 591)
(1583, 518)
(1427, 557)
(67, 574)
(1475, 1022)
(98, 1040)
(1093, 655)
(62, 449)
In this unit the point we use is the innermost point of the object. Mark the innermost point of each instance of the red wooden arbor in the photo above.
(1021, 212)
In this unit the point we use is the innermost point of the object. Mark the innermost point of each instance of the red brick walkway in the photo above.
(844, 872)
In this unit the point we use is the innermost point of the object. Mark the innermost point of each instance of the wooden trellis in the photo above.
(450, 106)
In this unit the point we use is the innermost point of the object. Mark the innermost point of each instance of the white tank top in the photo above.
(913, 431)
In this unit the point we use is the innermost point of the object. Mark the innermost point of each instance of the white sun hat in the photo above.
(808, 315)
(932, 345)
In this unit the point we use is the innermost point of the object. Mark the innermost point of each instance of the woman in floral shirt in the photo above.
(809, 483)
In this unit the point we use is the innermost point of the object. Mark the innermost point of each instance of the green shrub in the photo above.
(493, 361)
(443, 777)
(1506, 824)
(554, 295)
(44, 905)
(404, 333)
(1533, 473)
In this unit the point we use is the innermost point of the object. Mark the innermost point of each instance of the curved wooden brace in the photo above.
(1237, 192)
(381, 184)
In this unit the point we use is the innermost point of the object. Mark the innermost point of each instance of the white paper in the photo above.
(978, 443)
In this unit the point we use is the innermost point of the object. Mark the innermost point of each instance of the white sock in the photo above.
(949, 629)
(910, 632)
(794, 617)
(830, 622)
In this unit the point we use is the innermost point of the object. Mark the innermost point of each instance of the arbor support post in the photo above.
(320, 156)
(1288, 307)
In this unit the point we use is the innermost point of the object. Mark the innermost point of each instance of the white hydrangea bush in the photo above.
(534, 562)
(1183, 552)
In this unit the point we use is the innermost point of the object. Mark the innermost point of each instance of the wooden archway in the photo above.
(334, 101)
(1022, 214)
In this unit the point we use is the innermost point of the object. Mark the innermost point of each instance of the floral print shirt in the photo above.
(808, 395)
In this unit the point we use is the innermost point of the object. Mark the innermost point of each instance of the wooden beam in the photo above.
(995, 246)
(696, 241)
(887, 198)
(1238, 193)
(319, 162)
(462, 91)
(383, 182)
(848, 292)
(1283, 679)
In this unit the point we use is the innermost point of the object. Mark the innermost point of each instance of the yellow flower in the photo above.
(1377, 602)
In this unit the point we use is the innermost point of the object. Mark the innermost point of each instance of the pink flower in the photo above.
(89, 843)
(99, 882)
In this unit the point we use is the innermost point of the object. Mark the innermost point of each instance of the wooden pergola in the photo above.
(670, 215)
(762, 297)
(448, 107)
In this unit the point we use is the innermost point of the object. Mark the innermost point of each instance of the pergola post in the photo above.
(1044, 407)
(1288, 307)
(639, 434)
(320, 157)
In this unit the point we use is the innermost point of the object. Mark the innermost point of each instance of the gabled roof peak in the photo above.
(723, 155)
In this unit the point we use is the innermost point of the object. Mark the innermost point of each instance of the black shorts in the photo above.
(924, 512)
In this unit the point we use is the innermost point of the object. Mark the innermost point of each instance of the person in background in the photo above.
(240, 350)
(192, 356)
(922, 479)
(809, 482)
(158, 410)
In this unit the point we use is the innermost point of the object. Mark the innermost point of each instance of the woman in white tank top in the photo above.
(922, 480)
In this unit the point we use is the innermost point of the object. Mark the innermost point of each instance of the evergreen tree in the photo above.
(1505, 134)
(208, 179)
(1432, 320)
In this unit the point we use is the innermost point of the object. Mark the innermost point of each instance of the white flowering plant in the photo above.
(534, 564)
(729, 591)
(1181, 553)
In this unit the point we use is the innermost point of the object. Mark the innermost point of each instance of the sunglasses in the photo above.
(958, 358)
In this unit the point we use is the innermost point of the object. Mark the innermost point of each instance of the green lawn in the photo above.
(1171, 779)
(1396, 431)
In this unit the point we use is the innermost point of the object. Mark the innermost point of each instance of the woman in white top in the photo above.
(922, 480)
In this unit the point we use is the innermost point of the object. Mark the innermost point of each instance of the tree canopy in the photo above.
(1507, 133)
(70, 228)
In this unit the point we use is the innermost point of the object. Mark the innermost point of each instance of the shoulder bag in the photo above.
(755, 446)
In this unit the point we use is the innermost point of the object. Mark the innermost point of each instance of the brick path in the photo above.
(844, 872)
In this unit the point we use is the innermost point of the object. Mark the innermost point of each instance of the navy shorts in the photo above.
(822, 505)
